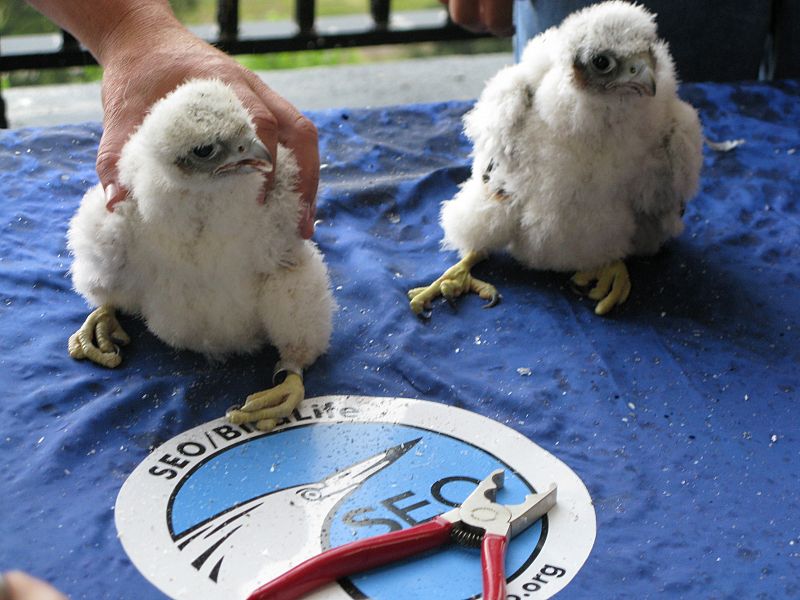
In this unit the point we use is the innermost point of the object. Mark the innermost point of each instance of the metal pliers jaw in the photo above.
(479, 521)
(480, 514)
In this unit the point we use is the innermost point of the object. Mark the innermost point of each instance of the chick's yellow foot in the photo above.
(98, 338)
(454, 282)
(613, 285)
(267, 407)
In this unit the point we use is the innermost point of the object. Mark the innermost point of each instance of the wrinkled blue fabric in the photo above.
(679, 411)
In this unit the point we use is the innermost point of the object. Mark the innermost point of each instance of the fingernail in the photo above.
(111, 192)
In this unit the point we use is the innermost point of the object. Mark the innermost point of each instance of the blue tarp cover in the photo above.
(679, 411)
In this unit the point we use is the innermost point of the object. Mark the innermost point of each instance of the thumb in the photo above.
(107, 158)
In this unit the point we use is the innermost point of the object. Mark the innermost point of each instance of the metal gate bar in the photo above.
(71, 54)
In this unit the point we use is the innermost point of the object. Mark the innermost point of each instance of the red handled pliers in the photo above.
(478, 521)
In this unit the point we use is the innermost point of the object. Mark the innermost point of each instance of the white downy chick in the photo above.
(199, 252)
(583, 155)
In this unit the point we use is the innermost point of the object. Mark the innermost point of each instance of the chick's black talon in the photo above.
(494, 301)
(425, 315)
(233, 408)
(580, 290)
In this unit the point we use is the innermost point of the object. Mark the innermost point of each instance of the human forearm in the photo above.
(104, 26)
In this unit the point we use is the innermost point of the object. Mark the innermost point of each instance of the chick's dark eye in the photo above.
(203, 151)
(602, 63)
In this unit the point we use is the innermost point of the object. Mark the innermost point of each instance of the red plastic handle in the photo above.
(354, 557)
(493, 559)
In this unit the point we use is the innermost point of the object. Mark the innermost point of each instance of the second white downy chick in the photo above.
(583, 156)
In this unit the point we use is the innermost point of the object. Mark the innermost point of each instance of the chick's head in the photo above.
(614, 49)
(199, 138)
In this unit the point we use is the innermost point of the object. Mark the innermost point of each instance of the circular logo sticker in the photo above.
(221, 509)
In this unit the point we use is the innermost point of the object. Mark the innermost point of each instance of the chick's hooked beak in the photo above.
(637, 74)
(249, 157)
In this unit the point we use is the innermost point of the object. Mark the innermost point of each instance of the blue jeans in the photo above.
(710, 40)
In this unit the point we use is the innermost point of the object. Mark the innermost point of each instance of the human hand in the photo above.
(16, 585)
(146, 59)
(495, 16)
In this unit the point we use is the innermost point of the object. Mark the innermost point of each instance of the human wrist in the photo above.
(137, 32)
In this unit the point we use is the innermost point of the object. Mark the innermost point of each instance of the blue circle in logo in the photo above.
(369, 479)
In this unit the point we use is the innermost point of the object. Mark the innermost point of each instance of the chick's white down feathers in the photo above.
(191, 249)
(572, 171)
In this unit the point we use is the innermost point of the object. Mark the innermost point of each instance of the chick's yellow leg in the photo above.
(454, 282)
(613, 285)
(98, 337)
(267, 407)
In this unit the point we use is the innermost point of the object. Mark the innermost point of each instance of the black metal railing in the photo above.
(307, 33)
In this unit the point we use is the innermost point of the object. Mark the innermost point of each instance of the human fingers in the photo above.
(301, 136)
(20, 586)
(265, 121)
(497, 16)
(118, 124)
(124, 108)
(298, 133)
(467, 14)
